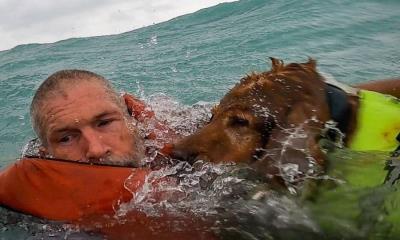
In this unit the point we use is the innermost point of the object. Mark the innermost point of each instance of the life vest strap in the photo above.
(393, 166)
(339, 107)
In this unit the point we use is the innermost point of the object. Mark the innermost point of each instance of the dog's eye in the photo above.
(237, 121)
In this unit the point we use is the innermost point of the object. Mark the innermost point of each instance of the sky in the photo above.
(45, 21)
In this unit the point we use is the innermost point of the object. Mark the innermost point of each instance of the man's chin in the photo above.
(126, 161)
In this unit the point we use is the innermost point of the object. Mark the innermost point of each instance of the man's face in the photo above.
(84, 124)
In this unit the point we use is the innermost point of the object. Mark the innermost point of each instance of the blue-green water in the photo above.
(198, 57)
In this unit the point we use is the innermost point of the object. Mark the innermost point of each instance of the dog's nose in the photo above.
(183, 155)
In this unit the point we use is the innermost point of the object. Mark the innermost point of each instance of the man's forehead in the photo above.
(81, 101)
(72, 122)
(83, 86)
(85, 89)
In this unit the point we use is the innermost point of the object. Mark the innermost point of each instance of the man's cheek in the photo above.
(68, 153)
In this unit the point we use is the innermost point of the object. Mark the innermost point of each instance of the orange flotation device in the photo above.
(143, 114)
(68, 191)
(88, 196)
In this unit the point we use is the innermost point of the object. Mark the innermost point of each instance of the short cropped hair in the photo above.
(55, 85)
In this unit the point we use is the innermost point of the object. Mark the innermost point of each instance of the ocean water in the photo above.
(198, 57)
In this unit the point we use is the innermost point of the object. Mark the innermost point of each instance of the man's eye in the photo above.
(66, 139)
(103, 123)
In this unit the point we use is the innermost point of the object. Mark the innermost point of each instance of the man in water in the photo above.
(78, 116)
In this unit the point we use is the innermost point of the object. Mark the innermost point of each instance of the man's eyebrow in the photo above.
(106, 114)
(63, 129)
(97, 117)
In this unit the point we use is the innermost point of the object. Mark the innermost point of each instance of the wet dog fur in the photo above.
(271, 120)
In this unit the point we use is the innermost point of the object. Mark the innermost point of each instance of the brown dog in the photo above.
(274, 121)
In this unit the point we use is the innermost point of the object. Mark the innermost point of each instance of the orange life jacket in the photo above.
(88, 196)
(62, 190)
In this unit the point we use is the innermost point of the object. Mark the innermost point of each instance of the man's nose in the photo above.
(96, 148)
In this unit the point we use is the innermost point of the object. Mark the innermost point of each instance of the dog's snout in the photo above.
(183, 155)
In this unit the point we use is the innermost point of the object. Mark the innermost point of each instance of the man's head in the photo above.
(78, 116)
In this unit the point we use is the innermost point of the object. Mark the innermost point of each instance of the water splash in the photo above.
(182, 118)
(236, 196)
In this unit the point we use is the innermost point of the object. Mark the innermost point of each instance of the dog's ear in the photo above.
(305, 118)
(277, 64)
(312, 63)
(293, 151)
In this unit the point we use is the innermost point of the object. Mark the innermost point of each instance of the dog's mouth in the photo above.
(189, 156)
(200, 157)
(259, 154)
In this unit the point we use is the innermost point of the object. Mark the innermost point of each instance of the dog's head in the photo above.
(271, 120)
